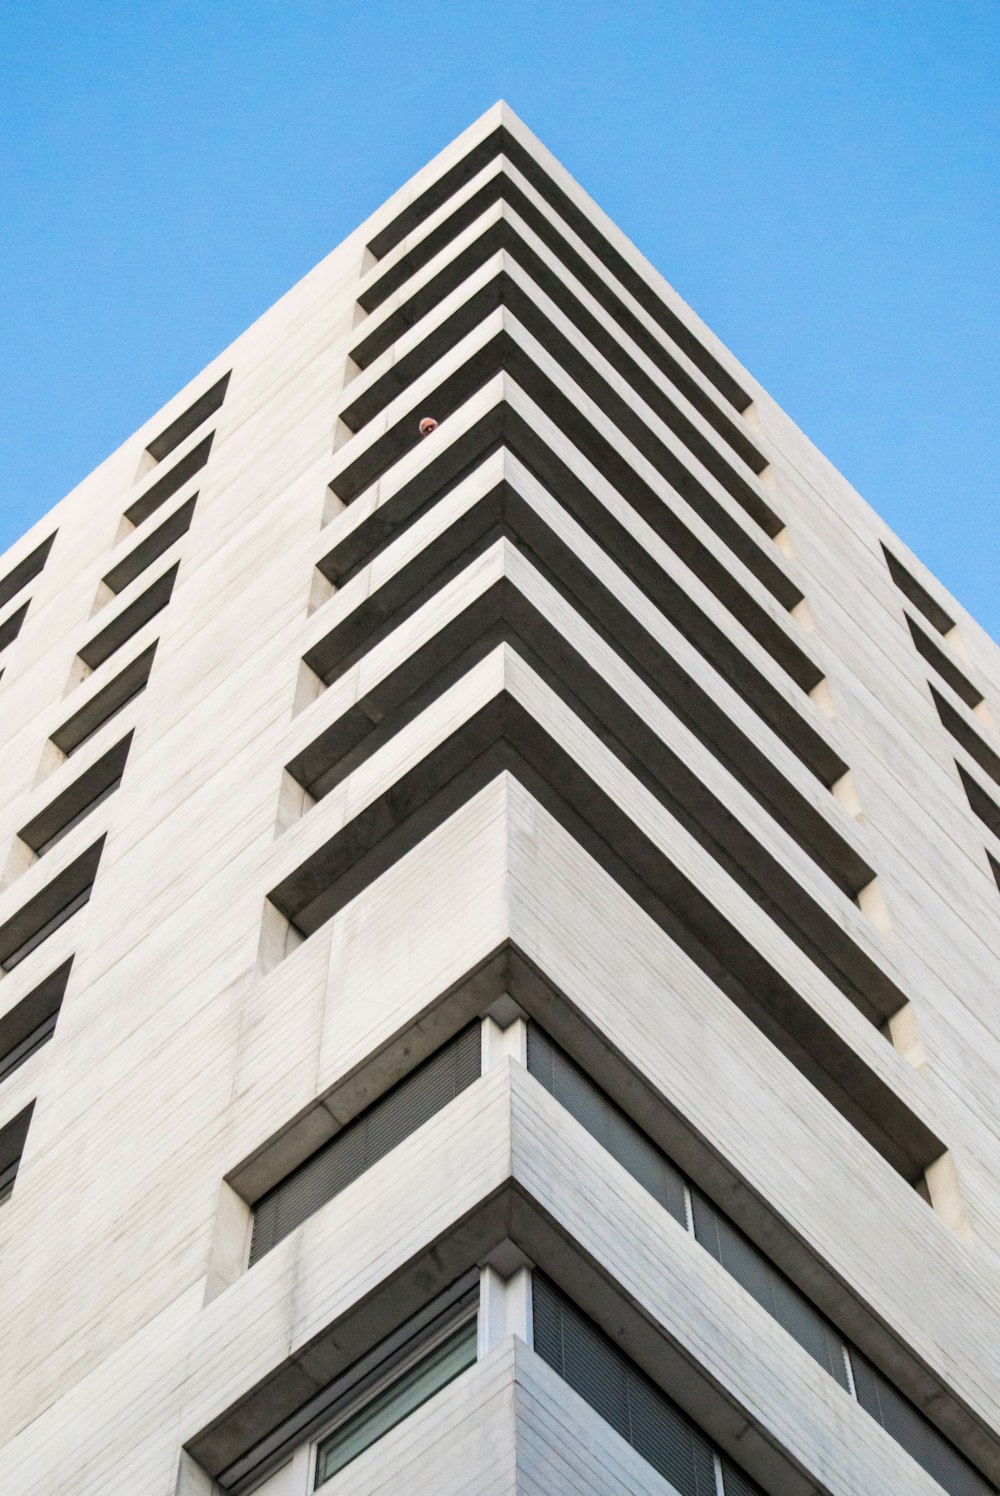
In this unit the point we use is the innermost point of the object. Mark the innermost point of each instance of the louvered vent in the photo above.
(365, 1140)
(910, 1429)
(770, 1288)
(735, 1483)
(741, 1259)
(654, 1426)
(603, 1120)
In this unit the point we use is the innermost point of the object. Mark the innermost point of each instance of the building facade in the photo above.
(500, 924)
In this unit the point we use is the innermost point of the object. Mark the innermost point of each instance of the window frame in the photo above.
(384, 1377)
(296, 1442)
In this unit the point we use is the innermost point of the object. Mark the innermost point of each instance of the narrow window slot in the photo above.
(918, 594)
(12, 1140)
(129, 621)
(945, 667)
(967, 736)
(366, 1417)
(636, 1407)
(984, 805)
(359, 1145)
(25, 571)
(32, 1021)
(77, 800)
(164, 488)
(11, 627)
(994, 867)
(41, 916)
(105, 704)
(150, 550)
(180, 429)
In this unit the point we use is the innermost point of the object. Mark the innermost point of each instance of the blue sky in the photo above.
(819, 178)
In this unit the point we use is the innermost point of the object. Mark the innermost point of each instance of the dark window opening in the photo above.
(364, 1141)
(32, 1021)
(164, 488)
(25, 571)
(105, 704)
(626, 1398)
(918, 594)
(743, 1261)
(12, 1140)
(206, 405)
(42, 915)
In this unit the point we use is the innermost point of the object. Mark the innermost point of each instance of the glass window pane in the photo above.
(395, 1402)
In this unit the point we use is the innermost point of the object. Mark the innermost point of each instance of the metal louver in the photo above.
(911, 1429)
(634, 1406)
(365, 1140)
(741, 1259)
(603, 1120)
(769, 1287)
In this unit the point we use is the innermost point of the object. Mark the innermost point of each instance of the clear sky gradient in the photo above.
(819, 178)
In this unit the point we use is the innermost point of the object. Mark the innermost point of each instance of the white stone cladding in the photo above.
(617, 728)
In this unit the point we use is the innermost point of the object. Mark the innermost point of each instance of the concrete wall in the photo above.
(536, 623)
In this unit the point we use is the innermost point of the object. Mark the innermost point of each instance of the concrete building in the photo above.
(499, 927)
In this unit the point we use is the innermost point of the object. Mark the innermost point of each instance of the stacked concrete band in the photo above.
(533, 1026)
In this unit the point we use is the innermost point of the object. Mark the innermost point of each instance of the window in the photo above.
(77, 800)
(11, 627)
(404, 1389)
(994, 867)
(41, 916)
(370, 1397)
(25, 571)
(742, 1260)
(206, 405)
(32, 1021)
(918, 594)
(604, 1121)
(772, 1290)
(129, 621)
(150, 549)
(616, 1389)
(164, 488)
(985, 807)
(105, 704)
(946, 668)
(26, 1048)
(12, 1140)
(365, 1140)
(7, 1177)
(904, 1424)
(975, 746)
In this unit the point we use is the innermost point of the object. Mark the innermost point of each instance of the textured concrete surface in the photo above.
(604, 697)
